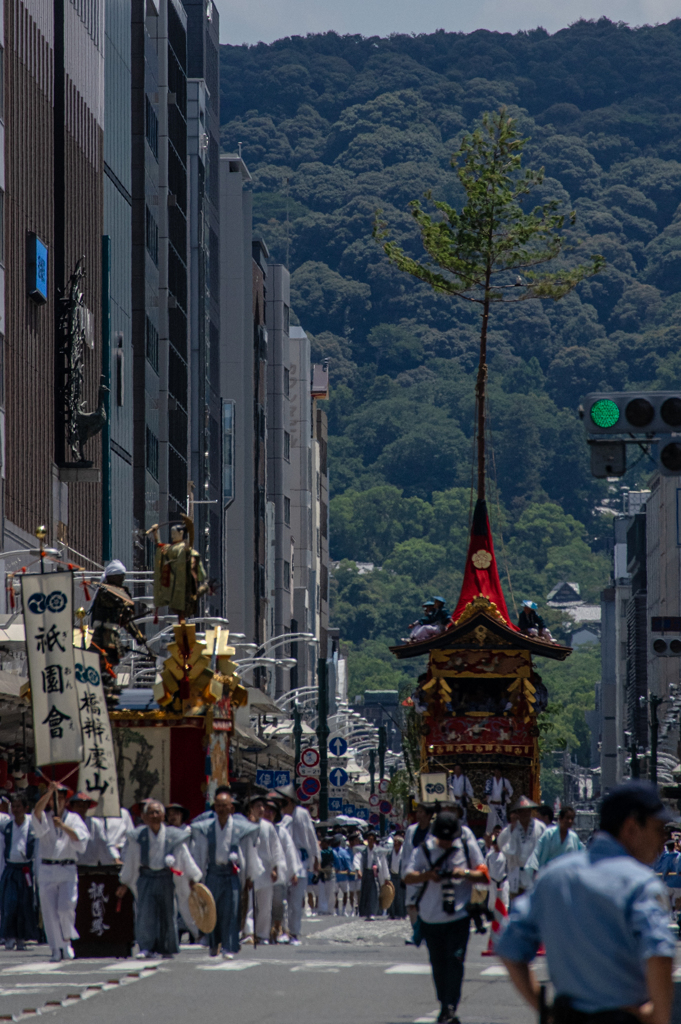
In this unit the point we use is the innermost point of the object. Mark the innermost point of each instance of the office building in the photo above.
(53, 215)
(203, 144)
(160, 292)
(117, 481)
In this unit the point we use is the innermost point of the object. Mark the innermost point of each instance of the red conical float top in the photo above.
(481, 578)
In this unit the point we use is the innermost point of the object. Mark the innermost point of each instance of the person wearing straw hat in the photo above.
(18, 918)
(299, 823)
(224, 853)
(155, 859)
(270, 865)
(518, 842)
(63, 836)
(294, 868)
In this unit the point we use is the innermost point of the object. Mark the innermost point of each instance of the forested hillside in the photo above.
(333, 128)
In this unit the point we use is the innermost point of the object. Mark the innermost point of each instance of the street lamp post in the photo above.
(297, 738)
(382, 743)
(323, 737)
(655, 702)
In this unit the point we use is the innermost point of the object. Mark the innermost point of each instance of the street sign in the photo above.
(338, 745)
(363, 813)
(336, 804)
(336, 791)
(374, 819)
(383, 785)
(309, 757)
(338, 777)
(302, 795)
(310, 786)
(304, 769)
(385, 807)
(349, 809)
(374, 800)
(265, 777)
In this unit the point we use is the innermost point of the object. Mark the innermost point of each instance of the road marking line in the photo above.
(496, 971)
(229, 966)
(427, 1020)
(32, 968)
(408, 969)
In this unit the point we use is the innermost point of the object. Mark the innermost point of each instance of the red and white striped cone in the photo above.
(500, 918)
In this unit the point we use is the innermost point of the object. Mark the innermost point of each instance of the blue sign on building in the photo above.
(265, 777)
(363, 813)
(37, 269)
(349, 809)
(336, 804)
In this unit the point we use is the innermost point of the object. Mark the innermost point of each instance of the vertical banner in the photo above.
(48, 621)
(97, 774)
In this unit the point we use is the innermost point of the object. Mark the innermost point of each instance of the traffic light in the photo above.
(633, 412)
(630, 413)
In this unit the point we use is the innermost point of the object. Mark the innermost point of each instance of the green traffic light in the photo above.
(605, 413)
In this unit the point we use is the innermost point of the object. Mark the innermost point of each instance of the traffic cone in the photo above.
(500, 918)
(542, 950)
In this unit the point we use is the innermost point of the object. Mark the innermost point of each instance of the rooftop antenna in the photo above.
(239, 145)
(287, 225)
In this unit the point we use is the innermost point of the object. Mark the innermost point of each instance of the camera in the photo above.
(448, 899)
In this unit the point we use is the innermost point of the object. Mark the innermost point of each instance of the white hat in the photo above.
(114, 568)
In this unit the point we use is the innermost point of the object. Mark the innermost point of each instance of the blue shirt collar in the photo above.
(604, 846)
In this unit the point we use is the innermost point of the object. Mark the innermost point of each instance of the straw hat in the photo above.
(387, 895)
(202, 907)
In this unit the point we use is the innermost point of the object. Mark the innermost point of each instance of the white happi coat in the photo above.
(518, 845)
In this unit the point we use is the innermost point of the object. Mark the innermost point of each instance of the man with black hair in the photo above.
(444, 866)
(602, 916)
(557, 840)
(18, 917)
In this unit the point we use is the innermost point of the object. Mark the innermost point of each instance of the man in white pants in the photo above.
(299, 823)
(270, 867)
(63, 836)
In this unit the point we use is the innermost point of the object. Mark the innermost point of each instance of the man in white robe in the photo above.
(270, 866)
(299, 823)
(498, 794)
(62, 836)
(462, 791)
(518, 841)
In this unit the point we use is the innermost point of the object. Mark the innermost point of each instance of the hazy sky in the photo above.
(251, 21)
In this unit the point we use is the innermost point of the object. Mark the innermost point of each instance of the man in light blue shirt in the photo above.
(603, 917)
(557, 840)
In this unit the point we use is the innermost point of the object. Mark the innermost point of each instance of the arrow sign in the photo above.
(338, 777)
(374, 800)
(338, 745)
(309, 757)
(311, 786)
(385, 807)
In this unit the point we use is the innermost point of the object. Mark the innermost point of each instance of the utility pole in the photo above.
(372, 770)
(297, 739)
(323, 737)
(381, 767)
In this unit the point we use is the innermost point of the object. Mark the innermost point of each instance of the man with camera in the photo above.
(445, 866)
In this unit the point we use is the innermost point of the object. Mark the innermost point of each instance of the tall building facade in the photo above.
(203, 142)
(53, 217)
(160, 291)
(117, 436)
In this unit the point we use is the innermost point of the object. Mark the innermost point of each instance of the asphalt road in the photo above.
(346, 972)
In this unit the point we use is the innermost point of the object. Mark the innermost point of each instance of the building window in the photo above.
(287, 446)
(151, 235)
(152, 345)
(151, 126)
(152, 453)
(287, 318)
(287, 511)
(287, 575)
(287, 383)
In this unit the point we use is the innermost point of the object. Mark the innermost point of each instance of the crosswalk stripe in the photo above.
(496, 971)
(229, 965)
(408, 969)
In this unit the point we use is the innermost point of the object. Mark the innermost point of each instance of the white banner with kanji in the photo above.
(97, 774)
(48, 622)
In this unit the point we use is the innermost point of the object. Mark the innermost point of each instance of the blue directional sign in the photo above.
(282, 778)
(265, 777)
(349, 809)
(338, 746)
(336, 804)
(338, 777)
(363, 813)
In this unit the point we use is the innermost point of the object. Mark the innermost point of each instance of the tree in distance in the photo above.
(490, 251)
